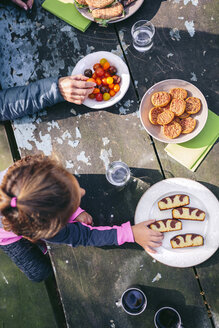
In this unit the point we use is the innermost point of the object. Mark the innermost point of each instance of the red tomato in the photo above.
(94, 76)
(106, 66)
(98, 80)
(107, 74)
(99, 97)
(116, 88)
(91, 96)
(97, 65)
(99, 72)
(112, 93)
(91, 80)
(96, 91)
(104, 81)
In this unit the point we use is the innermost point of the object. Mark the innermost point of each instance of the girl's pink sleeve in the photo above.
(75, 214)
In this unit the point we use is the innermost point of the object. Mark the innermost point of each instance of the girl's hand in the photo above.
(84, 217)
(75, 88)
(22, 4)
(146, 237)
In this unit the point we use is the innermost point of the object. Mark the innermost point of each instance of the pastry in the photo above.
(154, 112)
(187, 240)
(173, 201)
(166, 225)
(160, 99)
(178, 106)
(188, 124)
(178, 93)
(165, 117)
(99, 3)
(193, 105)
(188, 213)
(184, 115)
(172, 130)
(81, 3)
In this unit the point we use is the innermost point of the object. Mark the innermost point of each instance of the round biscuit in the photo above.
(172, 130)
(188, 124)
(166, 117)
(193, 105)
(178, 106)
(153, 113)
(160, 99)
(178, 93)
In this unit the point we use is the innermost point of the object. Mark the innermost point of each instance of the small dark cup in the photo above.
(167, 317)
(133, 301)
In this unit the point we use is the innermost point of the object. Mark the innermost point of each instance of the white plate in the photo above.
(122, 70)
(200, 197)
(166, 85)
(129, 11)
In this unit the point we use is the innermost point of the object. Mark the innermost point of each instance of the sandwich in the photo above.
(81, 3)
(106, 14)
(94, 4)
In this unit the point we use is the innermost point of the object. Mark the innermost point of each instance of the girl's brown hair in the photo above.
(47, 195)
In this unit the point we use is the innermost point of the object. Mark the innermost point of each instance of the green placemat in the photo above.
(68, 13)
(191, 153)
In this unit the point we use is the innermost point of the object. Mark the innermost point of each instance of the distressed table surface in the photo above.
(91, 280)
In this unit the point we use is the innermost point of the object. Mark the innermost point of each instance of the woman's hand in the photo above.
(146, 237)
(25, 5)
(84, 217)
(75, 88)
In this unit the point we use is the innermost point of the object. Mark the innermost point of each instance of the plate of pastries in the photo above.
(187, 213)
(173, 111)
(104, 12)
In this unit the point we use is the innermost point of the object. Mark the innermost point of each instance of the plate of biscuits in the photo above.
(187, 213)
(104, 12)
(173, 111)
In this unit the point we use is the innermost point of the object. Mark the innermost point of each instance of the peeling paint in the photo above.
(194, 77)
(121, 36)
(81, 157)
(174, 34)
(73, 143)
(73, 111)
(190, 28)
(89, 49)
(4, 278)
(169, 55)
(194, 2)
(136, 84)
(66, 135)
(105, 141)
(66, 28)
(51, 125)
(78, 133)
(105, 155)
(69, 164)
(181, 17)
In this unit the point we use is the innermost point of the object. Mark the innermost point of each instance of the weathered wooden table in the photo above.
(91, 280)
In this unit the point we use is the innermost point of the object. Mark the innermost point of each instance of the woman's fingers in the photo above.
(21, 4)
(30, 4)
(150, 250)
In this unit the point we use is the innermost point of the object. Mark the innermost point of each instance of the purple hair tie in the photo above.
(13, 202)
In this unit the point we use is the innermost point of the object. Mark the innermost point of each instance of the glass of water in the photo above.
(118, 173)
(142, 35)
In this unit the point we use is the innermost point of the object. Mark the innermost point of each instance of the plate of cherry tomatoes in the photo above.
(110, 74)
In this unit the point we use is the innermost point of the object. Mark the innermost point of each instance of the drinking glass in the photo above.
(142, 35)
(118, 173)
(167, 317)
(133, 301)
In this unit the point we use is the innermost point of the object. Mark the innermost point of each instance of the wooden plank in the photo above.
(177, 53)
(5, 152)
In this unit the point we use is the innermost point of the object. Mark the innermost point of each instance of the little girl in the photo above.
(39, 199)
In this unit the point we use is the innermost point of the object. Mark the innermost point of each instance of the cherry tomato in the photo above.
(99, 72)
(91, 96)
(94, 76)
(103, 61)
(112, 70)
(116, 88)
(106, 66)
(91, 80)
(116, 79)
(104, 89)
(96, 90)
(97, 65)
(99, 97)
(106, 96)
(107, 74)
(88, 73)
(109, 80)
(98, 80)
(111, 86)
(104, 81)
(112, 93)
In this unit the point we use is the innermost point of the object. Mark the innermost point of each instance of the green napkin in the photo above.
(67, 12)
(191, 153)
